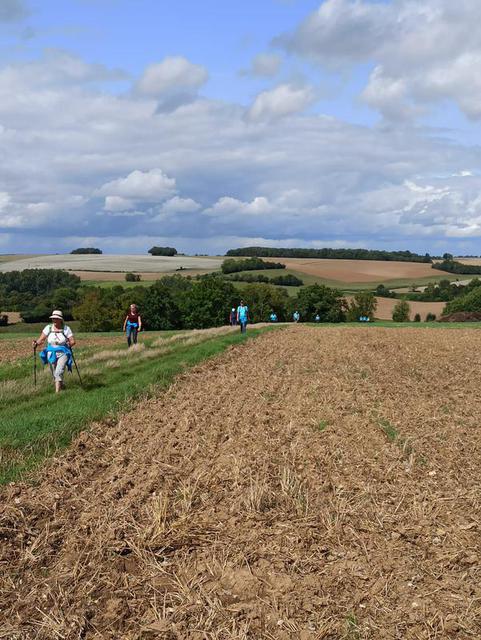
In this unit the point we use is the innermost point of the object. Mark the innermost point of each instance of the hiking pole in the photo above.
(35, 365)
(76, 367)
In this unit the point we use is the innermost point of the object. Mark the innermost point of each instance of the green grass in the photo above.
(35, 422)
(345, 287)
(390, 431)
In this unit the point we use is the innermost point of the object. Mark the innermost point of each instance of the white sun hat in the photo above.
(57, 314)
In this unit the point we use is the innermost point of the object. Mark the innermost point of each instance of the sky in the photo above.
(212, 125)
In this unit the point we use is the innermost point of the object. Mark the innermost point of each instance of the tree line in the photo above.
(453, 266)
(250, 264)
(333, 254)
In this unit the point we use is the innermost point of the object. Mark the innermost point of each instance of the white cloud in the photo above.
(117, 203)
(283, 100)
(179, 205)
(5, 200)
(71, 147)
(172, 74)
(227, 206)
(147, 186)
(423, 52)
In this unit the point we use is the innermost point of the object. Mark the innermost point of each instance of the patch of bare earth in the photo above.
(385, 307)
(359, 270)
(313, 483)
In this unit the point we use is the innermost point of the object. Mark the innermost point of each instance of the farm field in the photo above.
(347, 275)
(362, 271)
(385, 308)
(297, 487)
(114, 263)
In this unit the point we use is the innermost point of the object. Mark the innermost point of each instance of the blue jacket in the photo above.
(49, 355)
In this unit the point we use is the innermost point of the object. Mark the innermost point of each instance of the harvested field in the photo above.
(21, 347)
(360, 270)
(385, 308)
(298, 487)
(114, 263)
(13, 316)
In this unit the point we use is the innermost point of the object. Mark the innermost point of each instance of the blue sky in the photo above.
(213, 124)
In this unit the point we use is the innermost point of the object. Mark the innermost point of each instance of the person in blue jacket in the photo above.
(243, 316)
(273, 317)
(296, 316)
(58, 352)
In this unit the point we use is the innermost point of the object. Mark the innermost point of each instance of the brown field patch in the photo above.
(13, 316)
(385, 308)
(298, 487)
(359, 270)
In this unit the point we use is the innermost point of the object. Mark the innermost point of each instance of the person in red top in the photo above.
(132, 324)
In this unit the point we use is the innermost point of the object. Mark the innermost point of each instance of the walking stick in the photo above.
(76, 367)
(35, 365)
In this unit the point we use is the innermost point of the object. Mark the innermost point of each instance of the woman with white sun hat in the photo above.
(58, 352)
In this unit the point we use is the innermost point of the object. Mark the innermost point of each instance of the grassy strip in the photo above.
(33, 424)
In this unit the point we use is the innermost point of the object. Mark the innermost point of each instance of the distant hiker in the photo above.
(296, 316)
(132, 324)
(233, 317)
(273, 317)
(58, 352)
(243, 316)
(317, 318)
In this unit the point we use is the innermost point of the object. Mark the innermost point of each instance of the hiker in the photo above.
(273, 317)
(58, 352)
(243, 316)
(296, 316)
(133, 324)
(317, 318)
(233, 317)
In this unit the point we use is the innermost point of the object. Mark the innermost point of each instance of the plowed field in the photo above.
(312, 483)
(360, 270)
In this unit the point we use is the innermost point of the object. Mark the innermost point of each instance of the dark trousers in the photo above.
(132, 335)
(243, 325)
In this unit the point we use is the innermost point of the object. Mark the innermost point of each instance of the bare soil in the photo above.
(350, 271)
(313, 483)
(385, 308)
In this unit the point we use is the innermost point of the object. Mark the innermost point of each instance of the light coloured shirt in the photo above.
(57, 338)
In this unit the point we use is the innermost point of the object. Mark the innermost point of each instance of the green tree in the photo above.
(471, 301)
(364, 303)
(417, 317)
(322, 300)
(208, 303)
(93, 312)
(262, 299)
(160, 310)
(401, 311)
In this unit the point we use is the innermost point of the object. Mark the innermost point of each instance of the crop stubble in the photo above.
(313, 483)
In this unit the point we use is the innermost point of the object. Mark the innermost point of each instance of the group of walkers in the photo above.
(59, 340)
